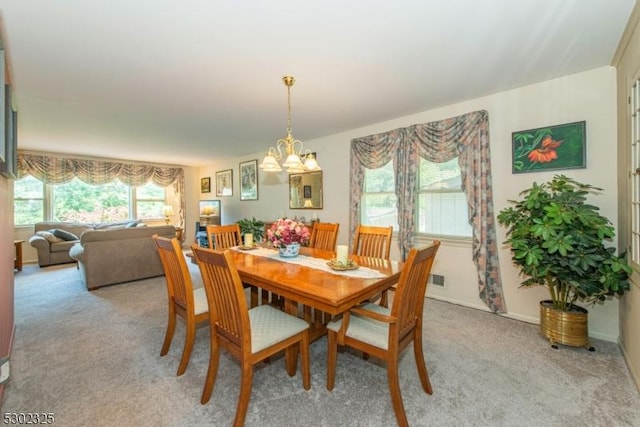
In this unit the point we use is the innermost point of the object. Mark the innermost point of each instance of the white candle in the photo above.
(248, 239)
(341, 253)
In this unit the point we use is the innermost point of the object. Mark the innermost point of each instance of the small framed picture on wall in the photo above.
(249, 180)
(224, 183)
(205, 185)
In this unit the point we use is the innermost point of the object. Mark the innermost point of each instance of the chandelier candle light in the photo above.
(292, 147)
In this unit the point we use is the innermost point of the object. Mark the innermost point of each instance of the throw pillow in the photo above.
(63, 234)
(49, 236)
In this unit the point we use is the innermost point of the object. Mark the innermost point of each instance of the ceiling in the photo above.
(188, 82)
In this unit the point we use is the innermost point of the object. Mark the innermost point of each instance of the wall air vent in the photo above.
(436, 280)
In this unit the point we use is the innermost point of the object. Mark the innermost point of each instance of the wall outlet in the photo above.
(4, 369)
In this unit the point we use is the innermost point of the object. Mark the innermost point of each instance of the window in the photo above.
(28, 201)
(77, 201)
(441, 205)
(378, 205)
(150, 200)
(634, 173)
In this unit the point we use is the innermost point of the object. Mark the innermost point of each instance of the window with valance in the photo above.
(465, 137)
(51, 169)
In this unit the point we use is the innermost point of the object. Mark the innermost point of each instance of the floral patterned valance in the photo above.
(61, 170)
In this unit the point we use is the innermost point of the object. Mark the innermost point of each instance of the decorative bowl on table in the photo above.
(334, 264)
(248, 248)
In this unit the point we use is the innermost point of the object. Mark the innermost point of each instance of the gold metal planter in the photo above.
(564, 327)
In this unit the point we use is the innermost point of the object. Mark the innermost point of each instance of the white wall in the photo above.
(589, 96)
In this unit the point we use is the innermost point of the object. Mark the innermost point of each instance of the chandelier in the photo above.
(296, 160)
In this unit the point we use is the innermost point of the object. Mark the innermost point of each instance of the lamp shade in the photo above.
(167, 210)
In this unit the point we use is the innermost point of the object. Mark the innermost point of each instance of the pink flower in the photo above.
(286, 231)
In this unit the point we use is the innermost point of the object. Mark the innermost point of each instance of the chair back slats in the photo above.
(223, 236)
(227, 303)
(324, 236)
(178, 278)
(408, 302)
(371, 241)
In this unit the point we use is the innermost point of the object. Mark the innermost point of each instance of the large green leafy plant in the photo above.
(558, 241)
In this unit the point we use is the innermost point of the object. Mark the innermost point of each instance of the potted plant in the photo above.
(252, 226)
(558, 241)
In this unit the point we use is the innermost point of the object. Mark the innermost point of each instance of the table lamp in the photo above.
(167, 210)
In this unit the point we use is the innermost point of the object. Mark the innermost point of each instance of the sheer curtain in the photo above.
(60, 170)
(465, 137)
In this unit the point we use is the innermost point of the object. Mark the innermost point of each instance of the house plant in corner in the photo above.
(287, 235)
(558, 240)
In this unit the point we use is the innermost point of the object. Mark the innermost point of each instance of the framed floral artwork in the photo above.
(550, 148)
(249, 180)
(224, 183)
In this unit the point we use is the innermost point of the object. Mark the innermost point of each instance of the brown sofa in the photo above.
(112, 256)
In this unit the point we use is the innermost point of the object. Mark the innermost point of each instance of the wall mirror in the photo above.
(305, 190)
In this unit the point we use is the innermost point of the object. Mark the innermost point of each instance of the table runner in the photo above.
(317, 263)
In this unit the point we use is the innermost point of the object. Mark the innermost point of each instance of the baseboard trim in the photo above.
(527, 319)
(9, 352)
(635, 375)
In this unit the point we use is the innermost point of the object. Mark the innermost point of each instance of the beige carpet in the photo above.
(92, 358)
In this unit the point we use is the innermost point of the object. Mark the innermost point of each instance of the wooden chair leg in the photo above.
(212, 372)
(168, 336)
(254, 296)
(332, 355)
(422, 367)
(245, 394)
(291, 360)
(304, 361)
(384, 299)
(188, 347)
(394, 389)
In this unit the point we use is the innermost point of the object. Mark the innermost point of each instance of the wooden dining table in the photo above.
(315, 294)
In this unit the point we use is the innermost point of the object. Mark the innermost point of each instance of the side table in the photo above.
(17, 261)
(180, 234)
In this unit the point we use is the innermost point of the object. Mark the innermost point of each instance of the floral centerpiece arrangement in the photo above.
(287, 232)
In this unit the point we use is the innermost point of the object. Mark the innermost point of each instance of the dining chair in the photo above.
(375, 242)
(223, 236)
(183, 299)
(384, 333)
(250, 335)
(324, 236)
(372, 241)
(226, 236)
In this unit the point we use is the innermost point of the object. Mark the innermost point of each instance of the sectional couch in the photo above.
(107, 253)
(52, 249)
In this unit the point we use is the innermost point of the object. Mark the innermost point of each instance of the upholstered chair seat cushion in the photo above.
(366, 329)
(200, 301)
(270, 326)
